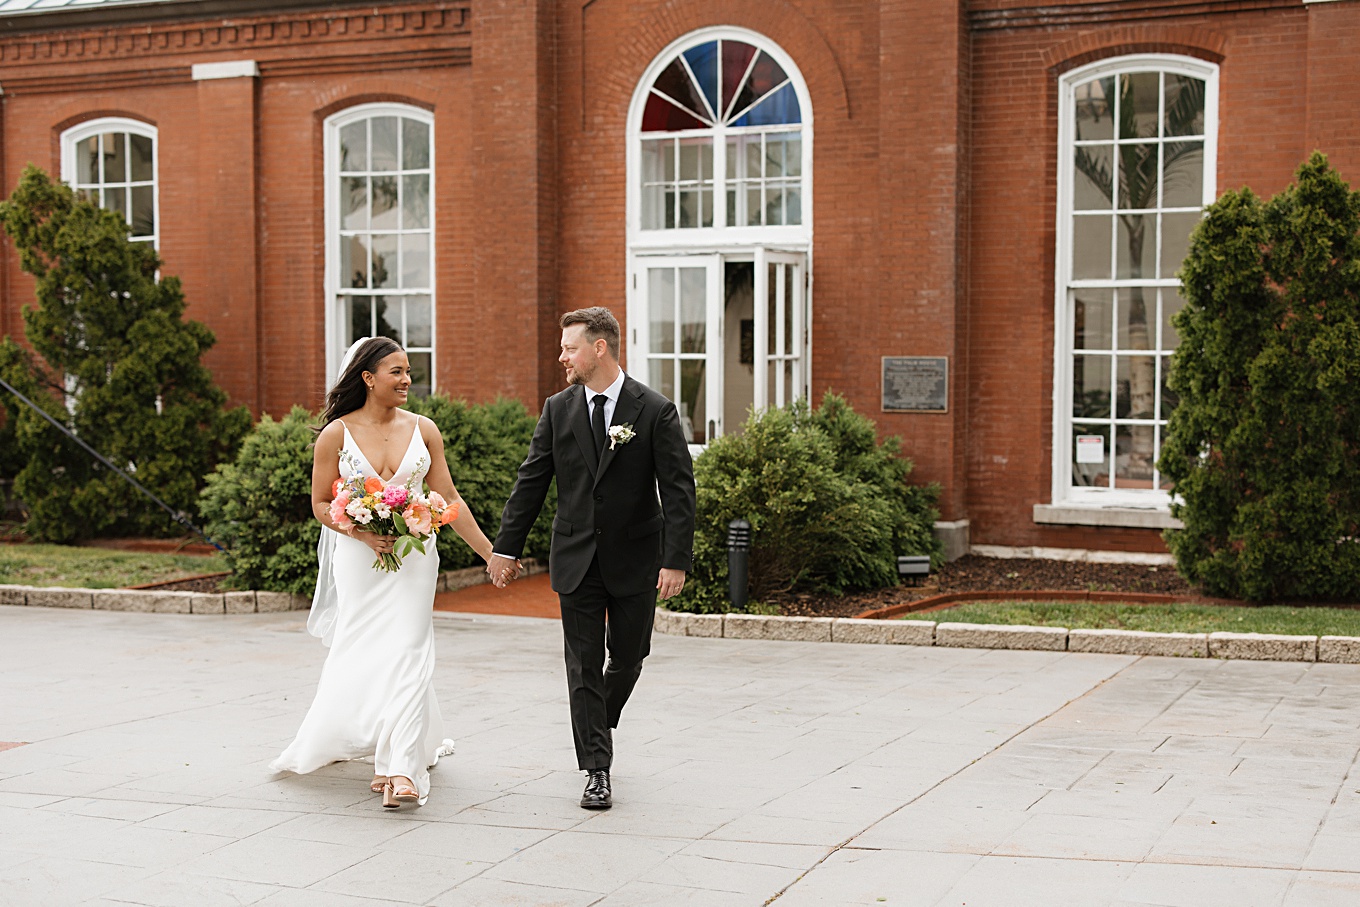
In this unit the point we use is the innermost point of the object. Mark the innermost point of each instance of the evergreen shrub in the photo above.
(1264, 443)
(829, 504)
(119, 365)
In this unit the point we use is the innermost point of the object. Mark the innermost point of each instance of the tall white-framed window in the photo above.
(379, 172)
(1137, 152)
(719, 216)
(113, 161)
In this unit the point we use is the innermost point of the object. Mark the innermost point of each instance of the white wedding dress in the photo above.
(376, 695)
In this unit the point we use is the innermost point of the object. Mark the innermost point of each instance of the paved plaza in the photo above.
(748, 772)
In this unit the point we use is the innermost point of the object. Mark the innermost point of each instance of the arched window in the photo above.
(112, 161)
(1137, 150)
(380, 231)
(721, 137)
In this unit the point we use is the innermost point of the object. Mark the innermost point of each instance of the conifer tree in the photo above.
(116, 362)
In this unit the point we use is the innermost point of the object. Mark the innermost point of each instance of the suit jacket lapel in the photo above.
(580, 427)
(626, 410)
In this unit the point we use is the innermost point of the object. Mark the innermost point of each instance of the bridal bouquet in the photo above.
(368, 504)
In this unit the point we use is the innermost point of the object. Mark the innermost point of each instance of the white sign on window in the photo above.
(1090, 448)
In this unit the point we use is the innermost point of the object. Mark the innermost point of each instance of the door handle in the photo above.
(711, 431)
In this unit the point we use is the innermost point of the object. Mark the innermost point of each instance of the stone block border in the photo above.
(1245, 646)
(163, 601)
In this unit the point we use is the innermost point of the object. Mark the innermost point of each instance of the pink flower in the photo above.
(418, 519)
(437, 501)
(394, 496)
(338, 515)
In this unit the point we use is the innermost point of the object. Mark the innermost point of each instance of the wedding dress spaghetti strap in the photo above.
(376, 694)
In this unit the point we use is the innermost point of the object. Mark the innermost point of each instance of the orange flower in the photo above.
(373, 485)
(335, 488)
(449, 515)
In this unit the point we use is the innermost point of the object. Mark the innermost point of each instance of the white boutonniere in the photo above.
(621, 434)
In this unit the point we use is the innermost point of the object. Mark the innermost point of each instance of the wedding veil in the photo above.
(325, 602)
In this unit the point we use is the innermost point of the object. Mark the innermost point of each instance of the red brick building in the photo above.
(964, 216)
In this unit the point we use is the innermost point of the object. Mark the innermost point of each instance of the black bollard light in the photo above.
(738, 562)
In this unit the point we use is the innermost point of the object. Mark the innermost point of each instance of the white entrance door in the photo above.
(674, 336)
(720, 334)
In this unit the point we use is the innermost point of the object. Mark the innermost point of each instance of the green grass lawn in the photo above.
(1175, 618)
(97, 568)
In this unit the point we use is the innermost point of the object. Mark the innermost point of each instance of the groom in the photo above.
(623, 533)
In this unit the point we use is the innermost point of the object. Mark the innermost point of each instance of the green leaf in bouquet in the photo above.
(403, 546)
(401, 524)
(415, 543)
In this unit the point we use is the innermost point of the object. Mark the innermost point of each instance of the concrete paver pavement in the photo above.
(748, 772)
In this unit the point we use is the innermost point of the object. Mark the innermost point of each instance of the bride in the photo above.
(376, 695)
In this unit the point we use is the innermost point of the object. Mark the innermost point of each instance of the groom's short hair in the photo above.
(599, 322)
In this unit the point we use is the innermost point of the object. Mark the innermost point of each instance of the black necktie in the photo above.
(597, 422)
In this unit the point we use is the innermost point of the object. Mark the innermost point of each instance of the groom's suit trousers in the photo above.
(598, 691)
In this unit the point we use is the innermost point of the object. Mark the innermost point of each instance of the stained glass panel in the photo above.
(703, 62)
(736, 59)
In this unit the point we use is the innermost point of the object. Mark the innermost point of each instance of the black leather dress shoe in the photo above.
(597, 795)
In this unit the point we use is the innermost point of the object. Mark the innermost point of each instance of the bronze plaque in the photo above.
(915, 384)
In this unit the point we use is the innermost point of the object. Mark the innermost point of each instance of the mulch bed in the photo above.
(972, 573)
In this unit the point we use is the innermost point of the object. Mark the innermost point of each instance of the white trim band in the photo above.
(230, 69)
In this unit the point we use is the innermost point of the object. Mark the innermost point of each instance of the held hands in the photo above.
(503, 570)
(669, 583)
(381, 544)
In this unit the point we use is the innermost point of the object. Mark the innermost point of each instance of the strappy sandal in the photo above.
(395, 792)
(378, 783)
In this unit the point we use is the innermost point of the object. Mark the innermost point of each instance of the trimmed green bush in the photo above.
(1264, 444)
(259, 507)
(828, 502)
(114, 344)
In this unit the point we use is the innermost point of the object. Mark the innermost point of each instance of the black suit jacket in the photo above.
(634, 506)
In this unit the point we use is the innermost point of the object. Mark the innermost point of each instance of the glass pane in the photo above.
(1184, 105)
(675, 83)
(774, 206)
(1091, 457)
(689, 209)
(774, 156)
(703, 62)
(1172, 302)
(354, 148)
(417, 321)
(1091, 247)
(384, 143)
(706, 204)
(1134, 456)
(1183, 175)
(353, 203)
(661, 378)
(661, 305)
(1091, 387)
(141, 151)
(736, 59)
(1093, 313)
(793, 154)
(692, 373)
(415, 260)
(1137, 318)
(793, 206)
(693, 310)
(115, 157)
(422, 380)
(415, 202)
(1135, 385)
(143, 211)
(754, 208)
(779, 108)
(689, 161)
(660, 115)
(384, 260)
(1138, 169)
(354, 262)
(87, 160)
(755, 157)
(1136, 246)
(1139, 96)
(706, 161)
(1095, 114)
(384, 202)
(1093, 179)
(1176, 230)
(360, 318)
(388, 312)
(653, 207)
(415, 144)
(116, 200)
(1169, 397)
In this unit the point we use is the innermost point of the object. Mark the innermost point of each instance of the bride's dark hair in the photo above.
(350, 392)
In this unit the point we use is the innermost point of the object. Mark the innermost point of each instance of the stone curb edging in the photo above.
(1242, 646)
(161, 601)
